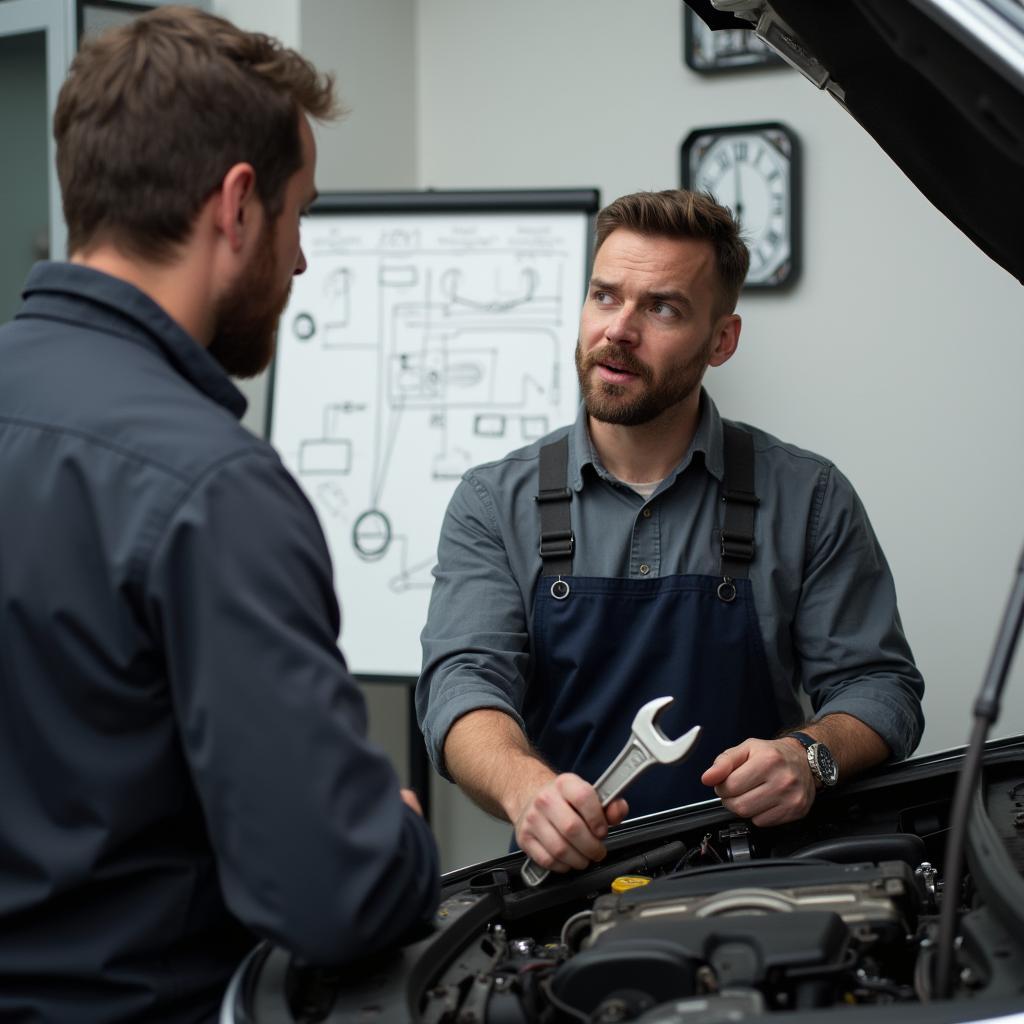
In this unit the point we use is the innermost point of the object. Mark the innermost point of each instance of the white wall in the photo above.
(278, 18)
(899, 355)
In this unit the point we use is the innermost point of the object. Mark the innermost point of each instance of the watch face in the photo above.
(753, 170)
(828, 770)
(725, 50)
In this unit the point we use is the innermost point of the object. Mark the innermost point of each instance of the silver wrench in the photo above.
(647, 745)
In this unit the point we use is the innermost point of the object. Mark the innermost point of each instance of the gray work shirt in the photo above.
(825, 598)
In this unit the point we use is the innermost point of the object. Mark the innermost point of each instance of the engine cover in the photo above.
(662, 957)
(774, 926)
(874, 900)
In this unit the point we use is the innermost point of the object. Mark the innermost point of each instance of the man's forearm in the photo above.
(855, 746)
(487, 754)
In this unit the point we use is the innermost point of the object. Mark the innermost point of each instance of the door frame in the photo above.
(56, 19)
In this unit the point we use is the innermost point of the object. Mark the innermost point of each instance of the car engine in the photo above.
(719, 941)
(781, 934)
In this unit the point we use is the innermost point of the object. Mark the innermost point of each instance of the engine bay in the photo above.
(696, 917)
(733, 939)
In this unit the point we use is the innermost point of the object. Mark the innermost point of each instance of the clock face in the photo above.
(725, 50)
(753, 170)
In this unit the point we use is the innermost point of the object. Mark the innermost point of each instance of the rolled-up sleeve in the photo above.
(853, 654)
(315, 848)
(476, 647)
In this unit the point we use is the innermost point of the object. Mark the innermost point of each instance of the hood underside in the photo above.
(941, 95)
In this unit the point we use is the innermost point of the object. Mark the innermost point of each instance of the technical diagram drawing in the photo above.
(416, 346)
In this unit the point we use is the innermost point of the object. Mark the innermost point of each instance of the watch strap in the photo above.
(806, 740)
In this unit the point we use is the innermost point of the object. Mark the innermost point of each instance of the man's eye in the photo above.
(663, 309)
(601, 297)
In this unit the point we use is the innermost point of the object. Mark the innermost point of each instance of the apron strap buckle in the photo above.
(740, 497)
(553, 494)
(560, 544)
(737, 546)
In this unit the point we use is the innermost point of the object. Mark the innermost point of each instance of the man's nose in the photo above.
(300, 263)
(623, 326)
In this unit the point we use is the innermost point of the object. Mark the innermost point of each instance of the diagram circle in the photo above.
(371, 535)
(304, 326)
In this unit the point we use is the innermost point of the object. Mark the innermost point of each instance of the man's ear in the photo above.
(726, 337)
(237, 203)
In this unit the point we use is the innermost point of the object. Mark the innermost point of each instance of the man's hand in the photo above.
(558, 819)
(411, 800)
(766, 781)
(770, 781)
(563, 825)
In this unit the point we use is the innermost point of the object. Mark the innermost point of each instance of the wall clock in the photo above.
(731, 49)
(754, 169)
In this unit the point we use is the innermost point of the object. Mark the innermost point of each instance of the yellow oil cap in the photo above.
(626, 882)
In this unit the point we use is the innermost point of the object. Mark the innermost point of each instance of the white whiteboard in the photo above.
(422, 340)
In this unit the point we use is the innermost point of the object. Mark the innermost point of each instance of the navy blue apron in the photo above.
(604, 647)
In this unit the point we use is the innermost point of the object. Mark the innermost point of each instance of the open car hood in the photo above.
(938, 84)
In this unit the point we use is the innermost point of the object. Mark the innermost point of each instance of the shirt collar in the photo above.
(101, 302)
(707, 441)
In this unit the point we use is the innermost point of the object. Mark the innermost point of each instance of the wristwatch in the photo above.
(819, 757)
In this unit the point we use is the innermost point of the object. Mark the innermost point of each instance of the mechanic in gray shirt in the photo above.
(184, 765)
(653, 549)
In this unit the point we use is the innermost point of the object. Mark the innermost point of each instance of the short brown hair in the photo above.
(155, 112)
(678, 213)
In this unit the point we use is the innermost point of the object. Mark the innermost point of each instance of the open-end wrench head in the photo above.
(646, 729)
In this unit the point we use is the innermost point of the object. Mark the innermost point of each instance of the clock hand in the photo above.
(739, 192)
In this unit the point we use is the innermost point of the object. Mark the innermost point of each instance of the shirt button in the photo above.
(646, 513)
(644, 569)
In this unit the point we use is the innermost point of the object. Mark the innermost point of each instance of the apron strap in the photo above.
(740, 503)
(553, 497)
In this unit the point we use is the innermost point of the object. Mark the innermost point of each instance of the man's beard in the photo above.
(245, 329)
(608, 402)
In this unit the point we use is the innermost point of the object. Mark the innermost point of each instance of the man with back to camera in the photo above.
(183, 759)
(683, 555)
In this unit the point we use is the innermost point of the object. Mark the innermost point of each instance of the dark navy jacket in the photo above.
(183, 758)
